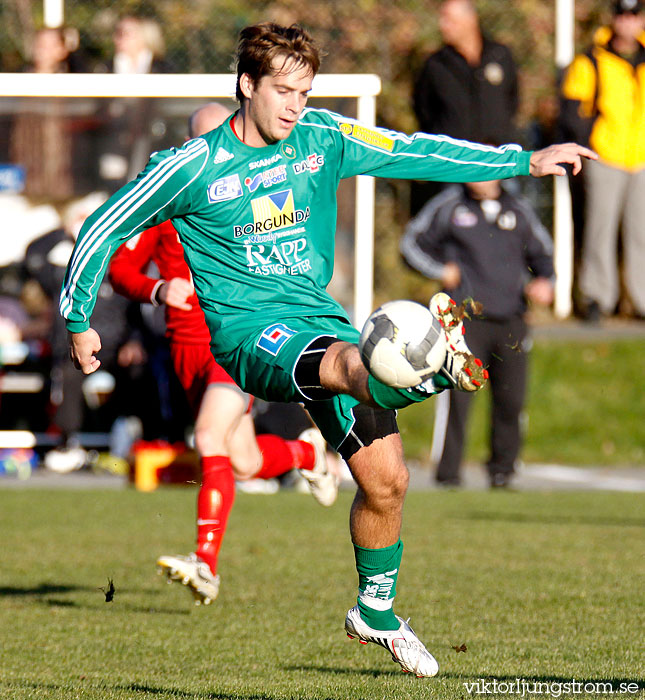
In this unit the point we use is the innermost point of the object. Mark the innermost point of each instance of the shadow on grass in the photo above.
(57, 688)
(156, 611)
(57, 603)
(45, 592)
(171, 692)
(560, 519)
(116, 606)
(174, 693)
(132, 688)
(372, 672)
(42, 589)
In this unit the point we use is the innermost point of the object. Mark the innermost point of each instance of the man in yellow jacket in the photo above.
(603, 104)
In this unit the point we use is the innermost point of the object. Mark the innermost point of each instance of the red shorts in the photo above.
(197, 370)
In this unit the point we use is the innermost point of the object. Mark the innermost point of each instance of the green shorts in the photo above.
(264, 362)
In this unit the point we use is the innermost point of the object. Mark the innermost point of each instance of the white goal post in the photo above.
(562, 206)
(363, 87)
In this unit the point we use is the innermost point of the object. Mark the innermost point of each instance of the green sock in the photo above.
(378, 570)
(389, 397)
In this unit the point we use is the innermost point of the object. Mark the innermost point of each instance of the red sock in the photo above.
(214, 504)
(279, 456)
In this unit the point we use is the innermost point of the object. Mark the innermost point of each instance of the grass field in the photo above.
(546, 588)
(583, 407)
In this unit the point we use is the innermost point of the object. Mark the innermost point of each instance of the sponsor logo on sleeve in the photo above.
(272, 212)
(311, 164)
(224, 189)
(267, 178)
(372, 137)
(274, 337)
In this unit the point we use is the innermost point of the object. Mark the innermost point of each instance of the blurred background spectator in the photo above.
(124, 386)
(485, 244)
(26, 317)
(55, 51)
(130, 127)
(467, 89)
(603, 105)
(41, 138)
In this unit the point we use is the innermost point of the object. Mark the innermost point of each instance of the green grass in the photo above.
(541, 587)
(585, 406)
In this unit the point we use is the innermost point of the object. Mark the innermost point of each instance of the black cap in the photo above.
(622, 7)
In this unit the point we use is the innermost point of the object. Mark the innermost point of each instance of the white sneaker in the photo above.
(322, 483)
(404, 645)
(465, 371)
(193, 572)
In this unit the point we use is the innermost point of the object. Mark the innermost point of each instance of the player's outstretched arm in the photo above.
(83, 348)
(547, 161)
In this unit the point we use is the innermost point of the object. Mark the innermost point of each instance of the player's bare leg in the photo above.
(382, 479)
(375, 525)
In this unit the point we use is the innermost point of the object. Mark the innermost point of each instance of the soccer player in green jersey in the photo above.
(254, 204)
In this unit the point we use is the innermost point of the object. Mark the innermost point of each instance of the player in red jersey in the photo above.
(224, 435)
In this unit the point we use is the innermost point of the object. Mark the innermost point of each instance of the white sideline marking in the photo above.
(589, 477)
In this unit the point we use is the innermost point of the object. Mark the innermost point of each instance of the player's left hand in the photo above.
(547, 161)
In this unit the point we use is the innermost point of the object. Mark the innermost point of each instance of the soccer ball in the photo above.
(402, 344)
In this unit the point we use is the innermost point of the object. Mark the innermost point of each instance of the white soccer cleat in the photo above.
(322, 483)
(192, 572)
(465, 371)
(404, 645)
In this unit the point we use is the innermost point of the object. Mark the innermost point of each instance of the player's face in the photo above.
(275, 102)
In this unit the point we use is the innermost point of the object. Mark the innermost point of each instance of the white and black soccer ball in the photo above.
(402, 344)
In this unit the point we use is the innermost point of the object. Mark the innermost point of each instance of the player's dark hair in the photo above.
(261, 43)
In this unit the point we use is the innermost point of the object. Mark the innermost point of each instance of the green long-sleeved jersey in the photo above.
(257, 224)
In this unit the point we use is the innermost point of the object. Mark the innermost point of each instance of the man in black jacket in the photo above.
(485, 244)
(467, 89)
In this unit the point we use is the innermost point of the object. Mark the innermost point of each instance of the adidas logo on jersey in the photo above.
(222, 156)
